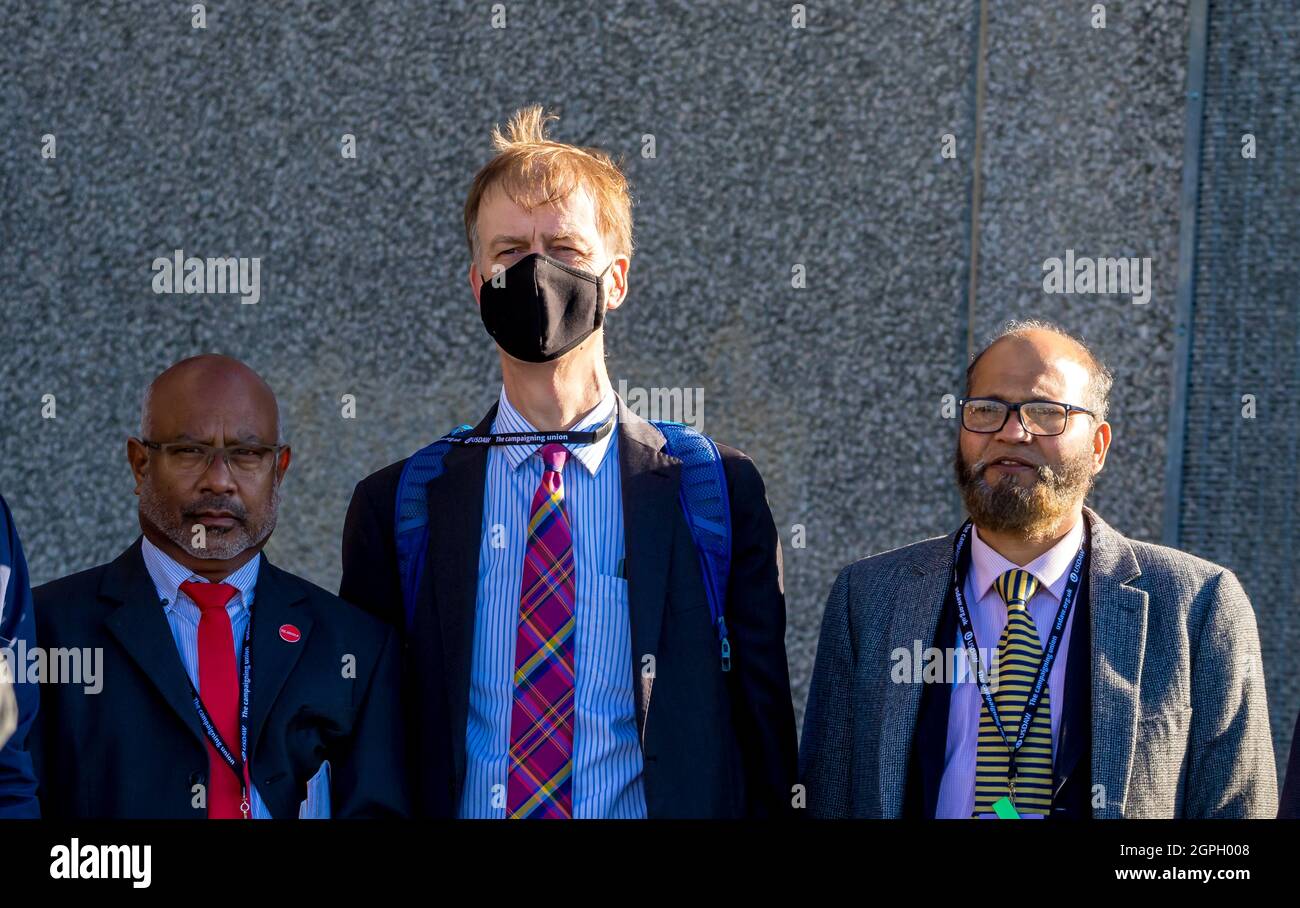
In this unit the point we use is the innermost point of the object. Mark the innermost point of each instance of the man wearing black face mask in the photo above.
(563, 657)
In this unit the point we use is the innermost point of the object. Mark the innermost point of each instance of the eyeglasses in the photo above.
(1037, 417)
(192, 458)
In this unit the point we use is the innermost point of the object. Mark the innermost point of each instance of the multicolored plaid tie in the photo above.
(1019, 657)
(540, 781)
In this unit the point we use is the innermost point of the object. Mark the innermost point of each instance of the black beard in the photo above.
(1034, 510)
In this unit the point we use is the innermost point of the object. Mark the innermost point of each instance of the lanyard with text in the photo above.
(535, 438)
(960, 566)
(238, 767)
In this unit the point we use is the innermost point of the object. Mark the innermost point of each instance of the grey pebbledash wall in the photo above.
(775, 147)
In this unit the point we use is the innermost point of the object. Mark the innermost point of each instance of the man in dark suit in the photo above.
(1153, 702)
(562, 657)
(197, 640)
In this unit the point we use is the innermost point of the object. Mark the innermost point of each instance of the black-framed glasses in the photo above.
(193, 458)
(1037, 417)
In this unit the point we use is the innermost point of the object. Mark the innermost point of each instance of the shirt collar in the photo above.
(1050, 568)
(168, 574)
(508, 419)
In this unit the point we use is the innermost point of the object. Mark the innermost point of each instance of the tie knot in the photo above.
(555, 456)
(208, 595)
(1016, 587)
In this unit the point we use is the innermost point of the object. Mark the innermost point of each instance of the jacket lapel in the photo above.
(275, 604)
(915, 612)
(1119, 630)
(141, 627)
(651, 483)
(450, 580)
(1076, 715)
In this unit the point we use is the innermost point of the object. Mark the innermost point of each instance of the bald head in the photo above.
(220, 385)
(1038, 347)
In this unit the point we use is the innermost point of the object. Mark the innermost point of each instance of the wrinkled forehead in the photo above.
(520, 211)
(1018, 369)
(211, 407)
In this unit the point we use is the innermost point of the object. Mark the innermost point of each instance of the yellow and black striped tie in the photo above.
(1020, 655)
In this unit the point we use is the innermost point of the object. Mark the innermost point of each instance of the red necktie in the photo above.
(219, 690)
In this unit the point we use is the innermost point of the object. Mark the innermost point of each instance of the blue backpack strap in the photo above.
(411, 516)
(708, 513)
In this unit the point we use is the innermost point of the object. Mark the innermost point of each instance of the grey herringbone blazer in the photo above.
(1179, 714)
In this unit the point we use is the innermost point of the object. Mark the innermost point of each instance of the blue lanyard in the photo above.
(960, 566)
(238, 767)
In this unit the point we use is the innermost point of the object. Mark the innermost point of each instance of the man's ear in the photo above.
(137, 455)
(1100, 446)
(282, 462)
(618, 269)
(475, 281)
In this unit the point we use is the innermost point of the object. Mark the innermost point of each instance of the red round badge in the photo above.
(289, 633)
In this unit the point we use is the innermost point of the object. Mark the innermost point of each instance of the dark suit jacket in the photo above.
(1289, 808)
(136, 749)
(715, 744)
(17, 631)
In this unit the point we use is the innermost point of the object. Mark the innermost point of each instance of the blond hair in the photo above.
(533, 170)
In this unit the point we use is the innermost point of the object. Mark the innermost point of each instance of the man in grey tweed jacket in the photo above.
(1164, 711)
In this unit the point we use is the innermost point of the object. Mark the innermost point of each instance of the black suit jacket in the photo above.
(1289, 803)
(715, 744)
(136, 748)
(1072, 778)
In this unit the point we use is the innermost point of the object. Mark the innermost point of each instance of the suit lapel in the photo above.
(915, 616)
(140, 625)
(275, 604)
(450, 580)
(1119, 630)
(651, 482)
(1076, 715)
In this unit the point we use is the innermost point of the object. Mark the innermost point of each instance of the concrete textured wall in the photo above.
(775, 147)
(1240, 502)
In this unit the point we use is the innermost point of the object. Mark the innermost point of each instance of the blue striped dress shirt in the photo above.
(607, 761)
(183, 618)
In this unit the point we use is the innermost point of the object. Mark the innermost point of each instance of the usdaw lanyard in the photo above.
(238, 767)
(535, 438)
(960, 567)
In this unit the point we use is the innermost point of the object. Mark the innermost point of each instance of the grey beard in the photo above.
(219, 544)
(1033, 511)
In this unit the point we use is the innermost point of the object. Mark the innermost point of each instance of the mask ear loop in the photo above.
(600, 295)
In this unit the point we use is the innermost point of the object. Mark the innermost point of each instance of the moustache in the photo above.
(213, 503)
(1041, 471)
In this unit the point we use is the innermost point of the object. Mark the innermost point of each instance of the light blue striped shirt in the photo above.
(183, 618)
(607, 761)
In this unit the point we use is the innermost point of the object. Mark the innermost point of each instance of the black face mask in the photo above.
(545, 308)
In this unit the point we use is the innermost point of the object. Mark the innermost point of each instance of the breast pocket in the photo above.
(603, 618)
(604, 644)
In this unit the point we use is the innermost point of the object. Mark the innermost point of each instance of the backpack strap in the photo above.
(708, 513)
(704, 499)
(411, 516)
